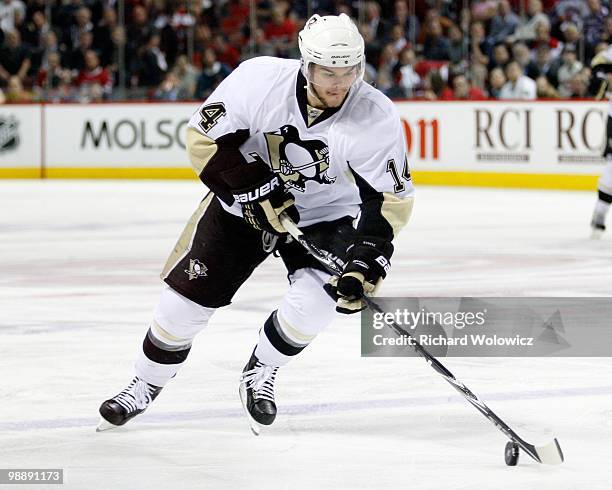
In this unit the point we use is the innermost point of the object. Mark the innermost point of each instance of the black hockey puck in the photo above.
(511, 453)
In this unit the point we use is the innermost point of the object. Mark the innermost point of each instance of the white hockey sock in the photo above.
(305, 310)
(153, 372)
(268, 354)
(161, 356)
(602, 208)
(279, 342)
(176, 322)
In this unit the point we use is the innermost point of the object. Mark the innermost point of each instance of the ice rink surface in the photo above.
(79, 264)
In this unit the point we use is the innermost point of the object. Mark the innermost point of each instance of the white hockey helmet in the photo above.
(332, 41)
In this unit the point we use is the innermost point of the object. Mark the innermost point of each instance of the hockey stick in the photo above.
(548, 454)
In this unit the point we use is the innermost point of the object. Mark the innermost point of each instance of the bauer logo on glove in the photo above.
(259, 192)
(263, 203)
(384, 263)
(367, 264)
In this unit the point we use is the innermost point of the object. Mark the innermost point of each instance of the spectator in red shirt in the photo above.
(280, 31)
(93, 81)
(462, 90)
(226, 53)
(280, 26)
(543, 37)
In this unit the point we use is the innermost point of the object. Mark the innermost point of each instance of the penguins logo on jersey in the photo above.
(298, 161)
(196, 269)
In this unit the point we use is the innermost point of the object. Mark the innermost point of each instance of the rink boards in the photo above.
(544, 144)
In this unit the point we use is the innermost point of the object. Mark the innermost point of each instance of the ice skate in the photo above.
(597, 226)
(257, 393)
(132, 401)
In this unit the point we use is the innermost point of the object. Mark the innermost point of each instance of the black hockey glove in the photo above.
(263, 203)
(367, 264)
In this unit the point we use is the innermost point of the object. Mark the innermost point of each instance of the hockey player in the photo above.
(601, 82)
(308, 138)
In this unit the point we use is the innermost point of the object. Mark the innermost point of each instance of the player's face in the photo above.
(332, 84)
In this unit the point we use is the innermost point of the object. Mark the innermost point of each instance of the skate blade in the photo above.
(596, 234)
(105, 425)
(253, 424)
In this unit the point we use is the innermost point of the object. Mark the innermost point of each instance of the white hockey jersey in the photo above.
(601, 65)
(330, 164)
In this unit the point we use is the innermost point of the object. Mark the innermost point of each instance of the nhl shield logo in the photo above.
(196, 269)
(9, 133)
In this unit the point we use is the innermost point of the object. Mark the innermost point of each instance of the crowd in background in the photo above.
(78, 50)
